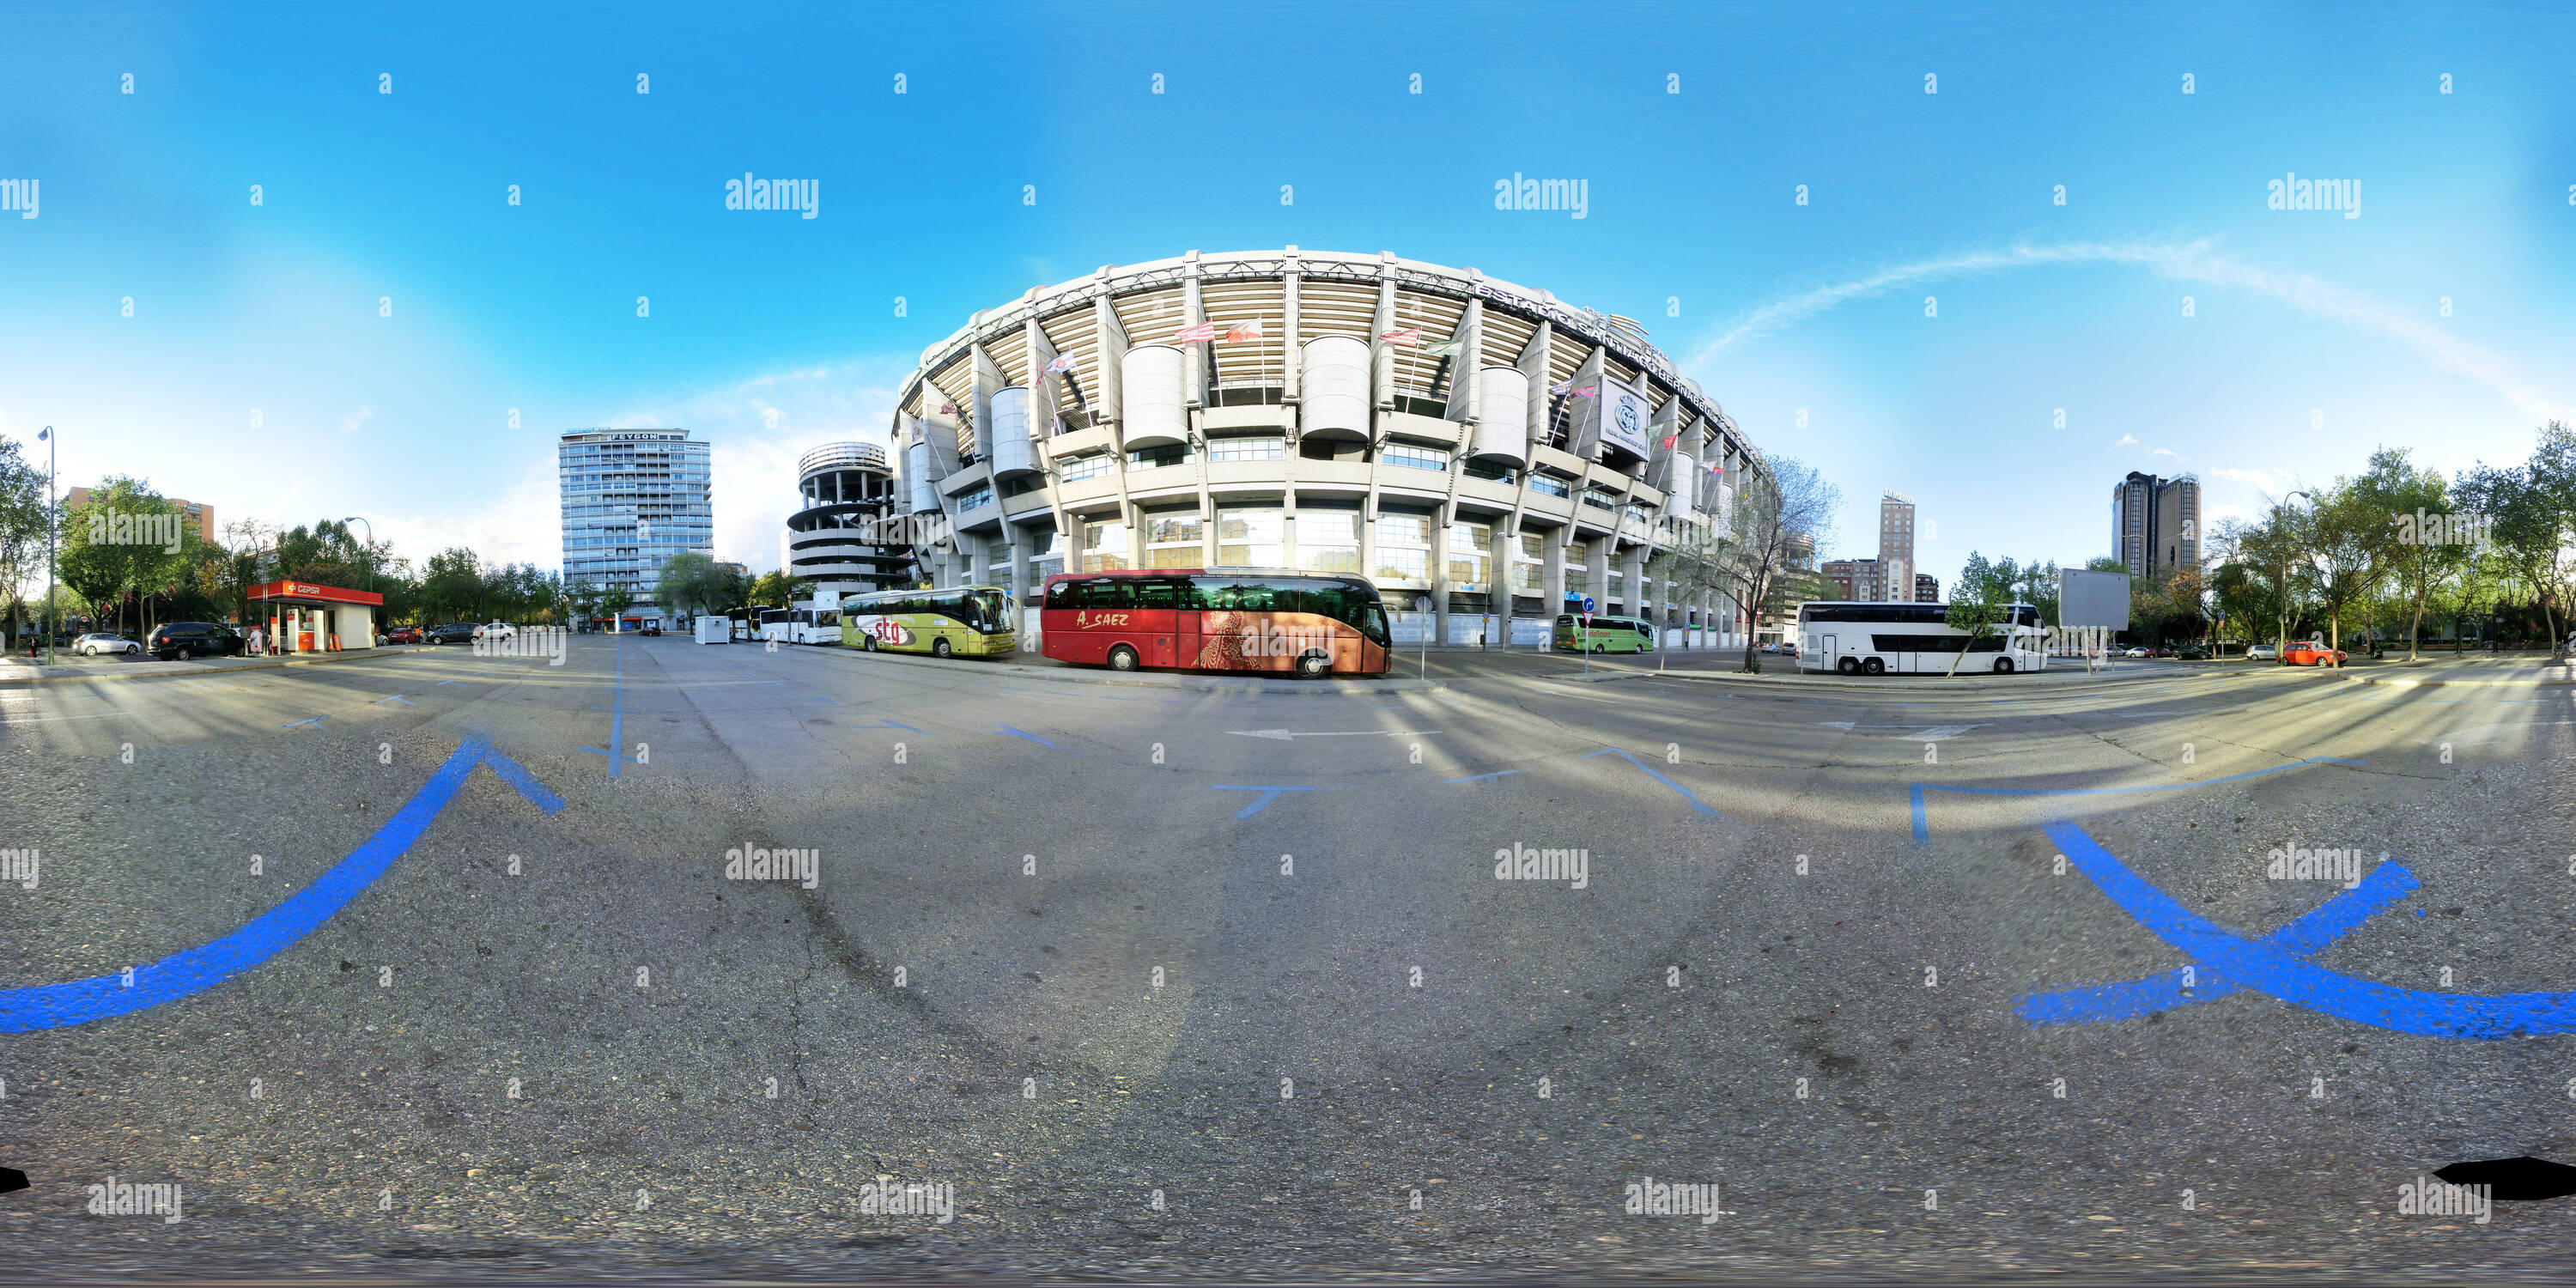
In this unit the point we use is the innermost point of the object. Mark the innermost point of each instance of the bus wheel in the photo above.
(1122, 658)
(1600, 648)
(1314, 666)
(867, 643)
(1873, 666)
(1848, 666)
(939, 648)
(2003, 666)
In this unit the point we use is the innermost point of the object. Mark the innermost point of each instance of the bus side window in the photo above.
(1060, 595)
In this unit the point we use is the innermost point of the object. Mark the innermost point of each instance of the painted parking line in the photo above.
(1478, 778)
(1268, 794)
(53, 1006)
(2277, 971)
(316, 722)
(1007, 731)
(889, 724)
(2305, 936)
(1923, 828)
(1685, 792)
(395, 698)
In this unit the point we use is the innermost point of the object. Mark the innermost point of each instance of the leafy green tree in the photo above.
(691, 583)
(126, 548)
(1978, 599)
(22, 532)
(2395, 490)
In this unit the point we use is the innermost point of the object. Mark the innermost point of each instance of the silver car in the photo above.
(97, 642)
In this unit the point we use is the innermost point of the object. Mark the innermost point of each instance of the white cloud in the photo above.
(2186, 261)
(523, 524)
(2166, 451)
(759, 428)
(2127, 440)
(350, 422)
(2262, 479)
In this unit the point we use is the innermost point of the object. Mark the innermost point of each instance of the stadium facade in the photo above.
(1482, 451)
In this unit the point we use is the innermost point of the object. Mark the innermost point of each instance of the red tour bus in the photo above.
(1215, 619)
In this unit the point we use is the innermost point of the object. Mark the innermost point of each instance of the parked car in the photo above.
(652, 629)
(450, 633)
(403, 635)
(174, 640)
(97, 642)
(2261, 653)
(2136, 651)
(2310, 653)
(496, 631)
(2192, 653)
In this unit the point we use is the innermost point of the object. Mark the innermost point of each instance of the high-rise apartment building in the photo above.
(191, 513)
(2155, 524)
(1858, 579)
(1896, 545)
(1927, 588)
(632, 498)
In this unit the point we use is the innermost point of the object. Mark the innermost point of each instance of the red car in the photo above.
(2310, 653)
(403, 635)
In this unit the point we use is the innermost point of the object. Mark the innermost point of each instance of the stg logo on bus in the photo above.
(1084, 620)
(889, 631)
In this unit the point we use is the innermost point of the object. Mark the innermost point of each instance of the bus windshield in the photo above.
(988, 610)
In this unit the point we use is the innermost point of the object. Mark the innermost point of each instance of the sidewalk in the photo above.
(18, 670)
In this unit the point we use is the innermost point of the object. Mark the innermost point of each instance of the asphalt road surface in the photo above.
(1191, 980)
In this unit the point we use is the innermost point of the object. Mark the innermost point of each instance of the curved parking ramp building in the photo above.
(1474, 447)
(846, 532)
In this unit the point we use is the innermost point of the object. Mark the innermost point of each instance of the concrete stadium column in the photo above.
(1552, 579)
(1633, 565)
(1439, 580)
(1597, 579)
(1498, 583)
(1019, 575)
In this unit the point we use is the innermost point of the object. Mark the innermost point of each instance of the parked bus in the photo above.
(1605, 634)
(1863, 638)
(800, 625)
(964, 621)
(1216, 619)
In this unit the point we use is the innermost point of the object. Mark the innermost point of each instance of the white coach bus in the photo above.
(1859, 638)
(801, 625)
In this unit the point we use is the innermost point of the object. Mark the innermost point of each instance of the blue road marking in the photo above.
(1268, 794)
(822, 700)
(617, 716)
(1478, 778)
(2306, 936)
(889, 724)
(316, 722)
(1008, 732)
(448, 682)
(1923, 829)
(2279, 972)
(395, 698)
(1650, 773)
(53, 1006)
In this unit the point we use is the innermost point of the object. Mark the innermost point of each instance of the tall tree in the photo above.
(2401, 495)
(1782, 509)
(22, 531)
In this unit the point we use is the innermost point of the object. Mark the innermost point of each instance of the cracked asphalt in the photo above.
(1187, 980)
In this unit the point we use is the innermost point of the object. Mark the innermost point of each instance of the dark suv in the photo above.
(173, 640)
(450, 633)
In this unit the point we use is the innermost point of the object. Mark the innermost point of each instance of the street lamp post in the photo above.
(53, 531)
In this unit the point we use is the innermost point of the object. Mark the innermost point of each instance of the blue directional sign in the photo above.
(1587, 605)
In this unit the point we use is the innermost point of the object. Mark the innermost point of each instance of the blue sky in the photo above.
(769, 333)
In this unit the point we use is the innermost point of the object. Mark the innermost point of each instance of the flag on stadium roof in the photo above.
(1446, 348)
(1410, 337)
(1194, 334)
(1244, 331)
(1063, 362)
